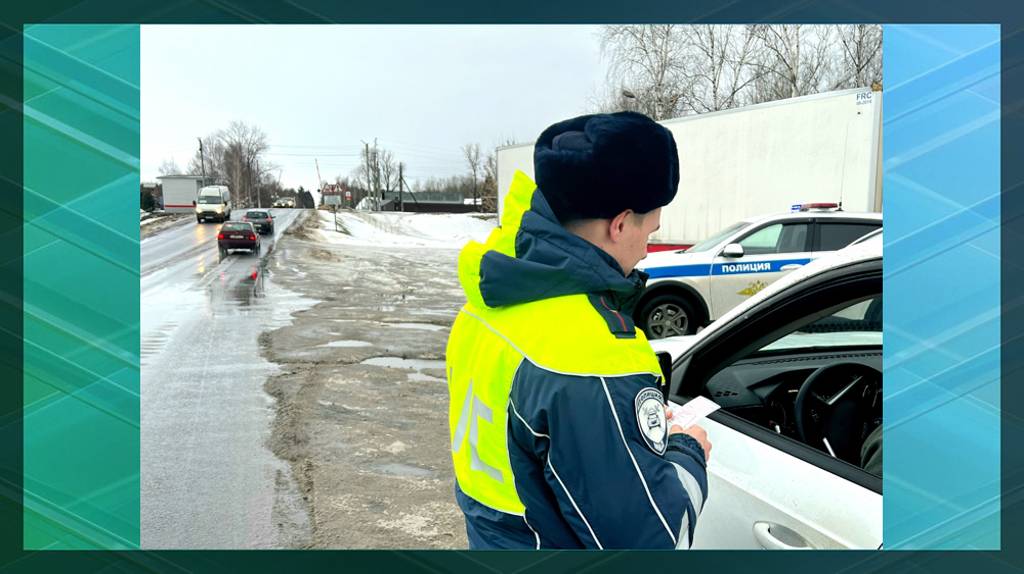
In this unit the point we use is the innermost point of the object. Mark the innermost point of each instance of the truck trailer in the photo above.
(180, 192)
(759, 159)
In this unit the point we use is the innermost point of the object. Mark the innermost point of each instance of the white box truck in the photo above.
(180, 192)
(761, 159)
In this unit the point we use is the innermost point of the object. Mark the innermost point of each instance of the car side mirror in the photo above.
(734, 250)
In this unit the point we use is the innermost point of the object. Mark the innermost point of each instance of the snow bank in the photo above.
(395, 229)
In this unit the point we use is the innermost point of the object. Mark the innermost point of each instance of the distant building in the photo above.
(180, 191)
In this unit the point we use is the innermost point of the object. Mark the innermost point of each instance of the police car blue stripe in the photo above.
(738, 268)
(678, 271)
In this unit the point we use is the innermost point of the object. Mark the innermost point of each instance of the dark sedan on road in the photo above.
(260, 219)
(238, 235)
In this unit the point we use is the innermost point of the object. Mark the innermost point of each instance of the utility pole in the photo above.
(319, 182)
(202, 160)
(369, 177)
(259, 200)
(376, 176)
(248, 184)
(401, 189)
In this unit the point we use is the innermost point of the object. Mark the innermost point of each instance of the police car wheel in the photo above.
(668, 316)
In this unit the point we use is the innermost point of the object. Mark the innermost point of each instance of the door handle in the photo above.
(777, 537)
(790, 267)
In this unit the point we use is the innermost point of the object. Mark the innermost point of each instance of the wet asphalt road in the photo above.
(208, 479)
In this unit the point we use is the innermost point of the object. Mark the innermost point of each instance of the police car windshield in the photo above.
(717, 238)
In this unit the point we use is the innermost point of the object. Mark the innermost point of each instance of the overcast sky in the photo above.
(320, 91)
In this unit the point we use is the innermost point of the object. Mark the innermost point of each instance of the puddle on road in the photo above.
(417, 326)
(400, 469)
(447, 314)
(409, 364)
(347, 343)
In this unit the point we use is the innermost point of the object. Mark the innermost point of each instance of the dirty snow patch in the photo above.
(421, 326)
(395, 447)
(415, 525)
(391, 229)
(347, 343)
(420, 377)
(399, 363)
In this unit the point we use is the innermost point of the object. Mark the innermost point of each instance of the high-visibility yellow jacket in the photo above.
(558, 435)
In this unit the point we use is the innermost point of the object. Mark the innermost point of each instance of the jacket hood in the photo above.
(532, 257)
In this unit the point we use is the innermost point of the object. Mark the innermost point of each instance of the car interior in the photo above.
(807, 371)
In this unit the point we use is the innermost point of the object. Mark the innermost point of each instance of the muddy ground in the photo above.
(362, 400)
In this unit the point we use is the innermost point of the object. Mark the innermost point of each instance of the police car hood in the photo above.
(532, 257)
(671, 258)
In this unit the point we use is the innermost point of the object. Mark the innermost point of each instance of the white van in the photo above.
(214, 203)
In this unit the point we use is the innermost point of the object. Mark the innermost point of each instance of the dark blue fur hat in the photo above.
(597, 166)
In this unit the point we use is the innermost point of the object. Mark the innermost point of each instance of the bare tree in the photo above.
(169, 167)
(212, 160)
(388, 169)
(243, 144)
(613, 99)
(861, 47)
(669, 70)
(647, 65)
(472, 155)
(230, 157)
(719, 65)
(796, 60)
(489, 201)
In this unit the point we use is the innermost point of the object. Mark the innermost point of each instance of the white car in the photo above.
(689, 289)
(796, 372)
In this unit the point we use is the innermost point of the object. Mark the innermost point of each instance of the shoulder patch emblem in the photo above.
(650, 417)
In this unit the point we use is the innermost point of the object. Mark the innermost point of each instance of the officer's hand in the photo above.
(696, 432)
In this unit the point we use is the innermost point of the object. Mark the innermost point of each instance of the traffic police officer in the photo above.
(558, 433)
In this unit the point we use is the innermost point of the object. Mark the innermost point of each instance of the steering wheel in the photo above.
(836, 416)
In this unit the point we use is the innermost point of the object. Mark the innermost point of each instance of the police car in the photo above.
(688, 289)
(796, 373)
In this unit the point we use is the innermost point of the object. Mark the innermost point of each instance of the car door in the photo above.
(760, 497)
(769, 252)
(767, 490)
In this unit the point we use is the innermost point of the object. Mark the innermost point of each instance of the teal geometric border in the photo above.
(941, 283)
(1011, 15)
(81, 287)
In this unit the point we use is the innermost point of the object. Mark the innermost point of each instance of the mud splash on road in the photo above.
(365, 426)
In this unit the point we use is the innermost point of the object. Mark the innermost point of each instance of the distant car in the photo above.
(238, 235)
(688, 289)
(797, 373)
(260, 219)
(285, 202)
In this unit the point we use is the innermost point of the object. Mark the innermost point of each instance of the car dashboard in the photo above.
(763, 389)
